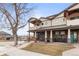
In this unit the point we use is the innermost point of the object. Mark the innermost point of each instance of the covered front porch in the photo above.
(66, 35)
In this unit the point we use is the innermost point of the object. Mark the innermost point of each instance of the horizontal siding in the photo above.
(73, 22)
(62, 14)
(58, 21)
(46, 23)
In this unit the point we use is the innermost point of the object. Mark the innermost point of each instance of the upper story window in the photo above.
(37, 24)
(42, 24)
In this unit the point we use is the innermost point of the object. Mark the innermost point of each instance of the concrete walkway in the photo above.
(11, 51)
(14, 51)
(72, 52)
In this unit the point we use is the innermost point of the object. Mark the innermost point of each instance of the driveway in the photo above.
(72, 52)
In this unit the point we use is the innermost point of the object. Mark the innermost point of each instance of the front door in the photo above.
(41, 36)
(73, 37)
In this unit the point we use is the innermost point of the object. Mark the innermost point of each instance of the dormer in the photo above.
(35, 21)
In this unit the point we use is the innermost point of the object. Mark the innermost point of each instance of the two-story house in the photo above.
(62, 27)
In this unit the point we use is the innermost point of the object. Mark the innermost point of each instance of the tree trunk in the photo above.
(15, 37)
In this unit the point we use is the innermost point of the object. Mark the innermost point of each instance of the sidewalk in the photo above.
(16, 51)
(72, 52)
(11, 51)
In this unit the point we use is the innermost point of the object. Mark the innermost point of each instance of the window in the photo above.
(46, 23)
(42, 23)
(37, 24)
(62, 33)
(56, 33)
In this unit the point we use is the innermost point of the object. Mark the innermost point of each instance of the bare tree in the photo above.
(15, 16)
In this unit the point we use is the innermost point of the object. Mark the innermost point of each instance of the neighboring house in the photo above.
(62, 27)
(22, 38)
(5, 36)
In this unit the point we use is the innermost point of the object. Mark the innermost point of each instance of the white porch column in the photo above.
(35, 35)
(45, 36)
(51, 36)
(69, 33)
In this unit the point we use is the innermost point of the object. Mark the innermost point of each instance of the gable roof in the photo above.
(51, 17)
(34, 20)
(66, 9)
(4, 33)
(55, 15)
(31, 19)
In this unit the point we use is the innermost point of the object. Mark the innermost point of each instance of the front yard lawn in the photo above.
(54, 49)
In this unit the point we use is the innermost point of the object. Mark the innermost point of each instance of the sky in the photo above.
(47, 9)
(42, 10)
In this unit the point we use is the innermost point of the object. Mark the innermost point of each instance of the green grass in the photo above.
(54, 49)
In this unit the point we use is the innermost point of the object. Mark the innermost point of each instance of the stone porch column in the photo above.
(51, 36)
(45, 36)
(69, 36)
